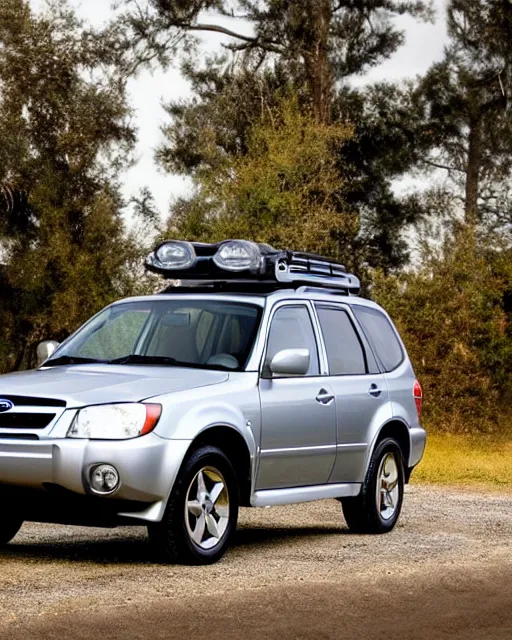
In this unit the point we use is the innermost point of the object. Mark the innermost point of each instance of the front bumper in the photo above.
(147, 468)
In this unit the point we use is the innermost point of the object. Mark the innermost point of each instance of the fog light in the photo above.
(104, 478)
(238, 255)
(175, 255)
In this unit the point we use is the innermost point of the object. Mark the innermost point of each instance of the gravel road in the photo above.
(294, 572)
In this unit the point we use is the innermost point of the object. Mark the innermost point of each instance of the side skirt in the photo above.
(274, 497)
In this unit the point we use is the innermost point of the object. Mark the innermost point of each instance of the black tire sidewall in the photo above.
(184, 549)
(388, 445)
(9, 528)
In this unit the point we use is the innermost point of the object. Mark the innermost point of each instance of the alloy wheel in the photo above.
(388, 489)
(207, 508)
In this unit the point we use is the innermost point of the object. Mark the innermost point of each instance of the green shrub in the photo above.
(452, 318)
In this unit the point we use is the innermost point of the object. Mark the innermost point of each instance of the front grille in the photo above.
(18, 436)
(25, 420)
(26, 401)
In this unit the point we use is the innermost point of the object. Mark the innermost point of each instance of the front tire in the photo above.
(9, 527)
(377, 508)
(201, 513)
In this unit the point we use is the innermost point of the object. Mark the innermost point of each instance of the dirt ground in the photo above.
(294, 572)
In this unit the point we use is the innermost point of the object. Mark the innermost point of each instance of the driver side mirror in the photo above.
(290, 362)
(45, 350)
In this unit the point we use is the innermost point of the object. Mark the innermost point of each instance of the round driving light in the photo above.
(104, 478)
(176, 255)
(238, 255)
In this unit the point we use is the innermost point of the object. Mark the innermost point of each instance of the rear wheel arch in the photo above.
(398, 430)
(232, 443)
(377, 508)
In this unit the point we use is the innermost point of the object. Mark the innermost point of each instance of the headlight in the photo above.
(115, 421)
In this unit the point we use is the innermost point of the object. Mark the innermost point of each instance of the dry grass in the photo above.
(466, 460)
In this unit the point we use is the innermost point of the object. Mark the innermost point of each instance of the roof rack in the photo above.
(246, 265)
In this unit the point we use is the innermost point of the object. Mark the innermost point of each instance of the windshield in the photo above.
(212, 334)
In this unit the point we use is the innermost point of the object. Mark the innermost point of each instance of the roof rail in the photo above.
(339, 292)
(246, 264)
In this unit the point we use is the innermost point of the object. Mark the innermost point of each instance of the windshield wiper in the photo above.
(165, 361)
(139, 359)
(62, 360)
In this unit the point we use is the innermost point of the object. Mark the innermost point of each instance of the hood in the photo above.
(81, 385)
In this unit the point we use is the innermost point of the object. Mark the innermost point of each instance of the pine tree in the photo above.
(320, 41)
(466, 100)
(285, 190)
(309, 49)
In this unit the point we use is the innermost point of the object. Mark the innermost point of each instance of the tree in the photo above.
(217, 123)
(304, 48)
(452, 317)
(64, 135)
(321, 41)
(285, 189)
(466, 101)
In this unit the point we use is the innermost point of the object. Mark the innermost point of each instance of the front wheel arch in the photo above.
(232, 443)
(171, 537)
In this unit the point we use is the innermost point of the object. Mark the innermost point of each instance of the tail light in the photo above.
(417, 393)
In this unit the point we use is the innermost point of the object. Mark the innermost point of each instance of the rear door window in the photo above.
(381, 335)
(344, 349)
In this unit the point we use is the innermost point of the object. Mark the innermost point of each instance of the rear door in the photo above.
(360, 388)
(393, 360)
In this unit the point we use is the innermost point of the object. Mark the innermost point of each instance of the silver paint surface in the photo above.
(308, 438)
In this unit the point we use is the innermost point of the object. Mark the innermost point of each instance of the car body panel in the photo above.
(88, 384)
(359, 416)
(298, 448)
(298, 441)
(147, 465)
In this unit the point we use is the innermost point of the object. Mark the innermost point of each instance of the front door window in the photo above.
(292, 329)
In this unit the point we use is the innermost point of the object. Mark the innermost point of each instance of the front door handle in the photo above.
(374, 390)
(324, 397)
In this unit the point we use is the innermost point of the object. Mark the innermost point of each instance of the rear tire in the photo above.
(9, 527)
(201, 513)
(377, 508)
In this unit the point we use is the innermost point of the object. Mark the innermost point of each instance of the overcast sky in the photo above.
(424, 44)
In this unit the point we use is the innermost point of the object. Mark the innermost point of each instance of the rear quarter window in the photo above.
(382, 336)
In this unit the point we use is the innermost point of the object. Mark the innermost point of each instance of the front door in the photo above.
(298, 441)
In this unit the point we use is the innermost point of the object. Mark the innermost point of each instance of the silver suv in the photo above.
(258, 378)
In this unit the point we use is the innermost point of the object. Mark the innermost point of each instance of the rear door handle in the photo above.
(324, 397)
(374, 390)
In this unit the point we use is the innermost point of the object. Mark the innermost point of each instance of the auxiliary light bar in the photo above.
(248, 262)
